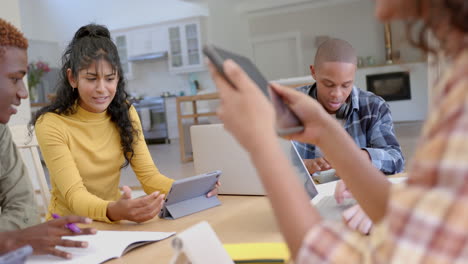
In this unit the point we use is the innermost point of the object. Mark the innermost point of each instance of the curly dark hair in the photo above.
(92, 43)
(11, 36)
(452, 12)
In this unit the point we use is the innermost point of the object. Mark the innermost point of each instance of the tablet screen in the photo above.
(192, 187)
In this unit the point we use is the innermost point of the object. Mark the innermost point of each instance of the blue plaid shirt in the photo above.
(370, 125)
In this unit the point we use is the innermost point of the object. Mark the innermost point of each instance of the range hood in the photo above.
(149, 56)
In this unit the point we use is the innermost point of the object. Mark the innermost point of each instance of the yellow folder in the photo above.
(265, 253)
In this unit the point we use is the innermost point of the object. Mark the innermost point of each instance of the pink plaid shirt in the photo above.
(427, 218)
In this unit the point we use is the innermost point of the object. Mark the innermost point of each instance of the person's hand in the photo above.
(244, 110)
(356, 219)
(45, 237)
(214, 191)
(341, 192)
(317, 164)
(315, 119)
(138, 210)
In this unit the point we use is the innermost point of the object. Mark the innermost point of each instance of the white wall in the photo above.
(57, 20)
(10, 11)
(353, 21)
(227, 27)
(400, 43)
(46, 51)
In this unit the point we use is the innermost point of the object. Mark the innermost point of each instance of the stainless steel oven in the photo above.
(151, 111)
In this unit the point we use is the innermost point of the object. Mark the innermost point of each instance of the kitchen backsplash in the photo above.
(152, 78)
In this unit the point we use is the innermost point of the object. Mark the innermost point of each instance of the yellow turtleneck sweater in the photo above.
(83, 154)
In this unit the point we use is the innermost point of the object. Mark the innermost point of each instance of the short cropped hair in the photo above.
(10, 36)
(335, 50)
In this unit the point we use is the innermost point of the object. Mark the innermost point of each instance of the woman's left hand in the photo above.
(214, 191)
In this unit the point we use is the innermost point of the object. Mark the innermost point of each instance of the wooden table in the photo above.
(195, 115)
(240, 219)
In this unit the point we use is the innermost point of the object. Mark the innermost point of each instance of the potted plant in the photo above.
(35, 72)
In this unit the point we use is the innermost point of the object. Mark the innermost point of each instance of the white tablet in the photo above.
(188, 196)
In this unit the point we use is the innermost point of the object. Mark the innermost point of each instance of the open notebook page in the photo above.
(103, 246)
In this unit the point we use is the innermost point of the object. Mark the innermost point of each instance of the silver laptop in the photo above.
(215, 149)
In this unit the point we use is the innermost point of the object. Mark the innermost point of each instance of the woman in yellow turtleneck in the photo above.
(91, 131)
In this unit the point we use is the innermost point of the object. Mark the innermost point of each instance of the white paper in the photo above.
(103, 246)
(200, 245)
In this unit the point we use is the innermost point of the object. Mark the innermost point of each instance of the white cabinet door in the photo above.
(175, 48)
(148, 40)
(140, 42)
(122, 42)
(171, 117)
(192, 38)
(159, 39)
(185, 51)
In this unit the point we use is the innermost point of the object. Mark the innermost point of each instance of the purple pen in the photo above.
(70, 226)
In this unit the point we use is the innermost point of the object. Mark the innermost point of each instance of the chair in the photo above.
(29, 149)
(195, 115)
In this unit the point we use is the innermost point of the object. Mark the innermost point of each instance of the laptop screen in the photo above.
(301, 170)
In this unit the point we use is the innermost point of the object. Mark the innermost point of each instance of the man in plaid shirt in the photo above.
(365, 116)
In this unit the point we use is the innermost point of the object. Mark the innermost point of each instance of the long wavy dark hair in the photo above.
(92, 43)
(452, 12)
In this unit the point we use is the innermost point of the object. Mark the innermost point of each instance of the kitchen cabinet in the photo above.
(148, 40)
(121, 40)
(185, 47)
(171, 117)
